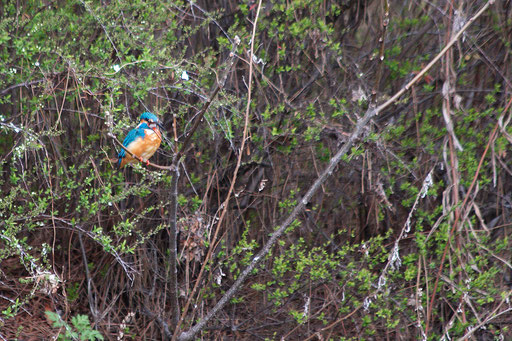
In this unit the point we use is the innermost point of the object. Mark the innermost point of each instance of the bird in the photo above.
(143, 141)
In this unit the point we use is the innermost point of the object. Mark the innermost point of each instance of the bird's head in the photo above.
(151, 120)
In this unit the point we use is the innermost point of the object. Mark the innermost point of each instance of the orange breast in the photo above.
(144, 148)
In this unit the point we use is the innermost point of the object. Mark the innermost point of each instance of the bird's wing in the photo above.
(132, 136)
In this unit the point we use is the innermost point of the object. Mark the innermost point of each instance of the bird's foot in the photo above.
(146, 162)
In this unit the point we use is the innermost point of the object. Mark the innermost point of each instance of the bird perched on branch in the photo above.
(143, 141)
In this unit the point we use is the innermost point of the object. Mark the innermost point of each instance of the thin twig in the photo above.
(93, 304)
(173, 249)
(102, 26)
(382, 40)
(335, 323)
(19, 85)
(491, 317)
(457, 216)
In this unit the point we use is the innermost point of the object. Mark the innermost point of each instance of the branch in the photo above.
(493, 315)
(447, 47)
(361, 124)
(25, 84)
(382, 40)
(93, 304)
(173, 248)
(102, 26)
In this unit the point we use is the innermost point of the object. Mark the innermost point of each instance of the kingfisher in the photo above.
(142, 141)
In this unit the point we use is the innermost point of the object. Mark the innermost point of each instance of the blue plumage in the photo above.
(148, 117)
(132, 136)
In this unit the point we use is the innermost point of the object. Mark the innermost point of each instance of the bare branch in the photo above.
(25, 84)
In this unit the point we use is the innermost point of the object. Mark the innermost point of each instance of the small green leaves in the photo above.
(80, 327)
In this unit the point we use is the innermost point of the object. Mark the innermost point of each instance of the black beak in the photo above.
(160, 125)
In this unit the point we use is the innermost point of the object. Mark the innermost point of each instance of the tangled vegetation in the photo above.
(407, 238)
